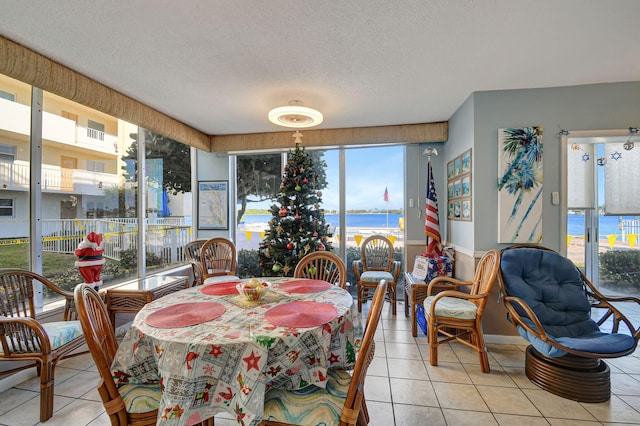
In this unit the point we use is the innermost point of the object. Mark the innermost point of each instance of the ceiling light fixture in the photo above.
(295, 115)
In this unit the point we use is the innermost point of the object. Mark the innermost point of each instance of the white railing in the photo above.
(164, 240)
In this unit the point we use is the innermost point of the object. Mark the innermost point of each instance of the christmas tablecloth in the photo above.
(228, 363)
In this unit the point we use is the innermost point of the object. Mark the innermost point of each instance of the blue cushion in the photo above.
(552, 286)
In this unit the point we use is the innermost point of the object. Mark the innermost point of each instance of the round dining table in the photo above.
(212, 350)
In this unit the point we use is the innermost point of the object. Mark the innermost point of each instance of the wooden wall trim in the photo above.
(21, 63)
(400, 134)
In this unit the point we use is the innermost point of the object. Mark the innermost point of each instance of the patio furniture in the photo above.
(218, 258)
(551, 303)
(25, 338)
(376, 263)
(456, 315)
(192, 254)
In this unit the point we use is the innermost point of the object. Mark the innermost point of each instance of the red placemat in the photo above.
(184, 314)
(301, 314)
(305, 286)
(220, 289)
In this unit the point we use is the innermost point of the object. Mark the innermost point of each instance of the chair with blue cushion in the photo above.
(457, 315)
(550, 302)
(376, 263)
(28, 342)
(342, 401)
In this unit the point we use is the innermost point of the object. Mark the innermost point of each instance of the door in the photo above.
(603, 208)
(67, 166)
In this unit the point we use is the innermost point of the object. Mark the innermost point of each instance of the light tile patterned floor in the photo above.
(402, 389)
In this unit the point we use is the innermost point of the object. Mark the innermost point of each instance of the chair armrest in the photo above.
(70, 312)
(395, 268)
(418, 293)
(23, 335)
(516, 319)
(450, 281)
(356, 268)
(604, 302)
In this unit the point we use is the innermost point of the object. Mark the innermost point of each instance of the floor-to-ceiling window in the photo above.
(15, 113)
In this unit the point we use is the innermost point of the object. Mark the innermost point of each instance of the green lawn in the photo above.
(17, 256)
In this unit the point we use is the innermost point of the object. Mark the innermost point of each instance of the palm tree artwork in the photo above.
(520, 185)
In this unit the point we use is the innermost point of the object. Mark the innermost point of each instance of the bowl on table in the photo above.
(254, 289)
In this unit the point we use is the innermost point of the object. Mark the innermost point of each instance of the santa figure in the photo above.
(90, 260)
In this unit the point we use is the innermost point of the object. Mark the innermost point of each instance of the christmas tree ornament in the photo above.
(283, 211)
(319, 193)
(321, 247)
(305, 180)
(286, 269)
(290, 246)
(276, 267)
(279, 229)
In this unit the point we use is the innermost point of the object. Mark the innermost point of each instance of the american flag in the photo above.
(386, 195)
(431, 223)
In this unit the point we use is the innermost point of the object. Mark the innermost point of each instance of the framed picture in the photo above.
(450, 212)
(465, 213)
(466, 185)
(457, 188)
(466, 161)
(450, 190)
(456, 209)
(457, 166)
(450, 169)
(213, 204)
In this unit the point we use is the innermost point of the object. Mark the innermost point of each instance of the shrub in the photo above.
(620, 270)
(248, 263)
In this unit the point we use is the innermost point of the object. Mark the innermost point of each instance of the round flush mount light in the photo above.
(295, 115)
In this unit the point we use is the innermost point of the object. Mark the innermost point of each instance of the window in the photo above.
(8, 96)
(95, 130)
(7, 153)
(6, 207)
(95, 166)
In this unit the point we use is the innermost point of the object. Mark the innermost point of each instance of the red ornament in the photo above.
(290, 246)
(283, 212)
(305, 180)
(321, 247)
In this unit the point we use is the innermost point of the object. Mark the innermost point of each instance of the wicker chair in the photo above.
(218, 257)
(192, 254)
(322, 265)
(376, 263)
(551, 303)
(24, 338)
(456, 315)
(342, 401)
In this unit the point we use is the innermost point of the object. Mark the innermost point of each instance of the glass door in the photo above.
(603, 208)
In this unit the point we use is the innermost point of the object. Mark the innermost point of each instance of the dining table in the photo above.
(212, 350)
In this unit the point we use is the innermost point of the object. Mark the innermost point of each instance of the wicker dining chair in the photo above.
(218, 257)
(342, 401)
(24, 338)
(456, 315)
(376, 263)
(322, 265)
(192, 254)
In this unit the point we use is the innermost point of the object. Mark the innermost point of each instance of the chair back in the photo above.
(377, 253)
(192, 254)
(353, 406)
(551, 286)
(484, 278)
(218, 256)
(101, 340)
(322, 265)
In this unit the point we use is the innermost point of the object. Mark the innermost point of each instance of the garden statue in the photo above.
(90, 260)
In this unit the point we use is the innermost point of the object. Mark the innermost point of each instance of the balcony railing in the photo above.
(16, 176)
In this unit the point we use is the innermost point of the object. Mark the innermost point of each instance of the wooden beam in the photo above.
(400, 134)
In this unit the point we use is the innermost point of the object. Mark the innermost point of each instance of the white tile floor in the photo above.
(402, 389)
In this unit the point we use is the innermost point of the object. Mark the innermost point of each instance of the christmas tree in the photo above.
(298, 225)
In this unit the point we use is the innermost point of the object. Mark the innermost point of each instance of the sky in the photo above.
(368, 172)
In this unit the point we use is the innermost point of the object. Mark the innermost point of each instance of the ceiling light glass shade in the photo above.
(295, 116)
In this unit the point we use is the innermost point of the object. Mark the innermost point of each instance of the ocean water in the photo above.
(575, 222)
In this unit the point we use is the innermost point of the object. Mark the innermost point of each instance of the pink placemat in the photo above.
(220, 289)
(305, 286)
(184, 314)
(301, 314)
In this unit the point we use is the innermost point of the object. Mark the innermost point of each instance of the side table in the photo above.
(417, 296)
(131, 297)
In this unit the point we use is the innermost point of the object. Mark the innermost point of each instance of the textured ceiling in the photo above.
(220, 66)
